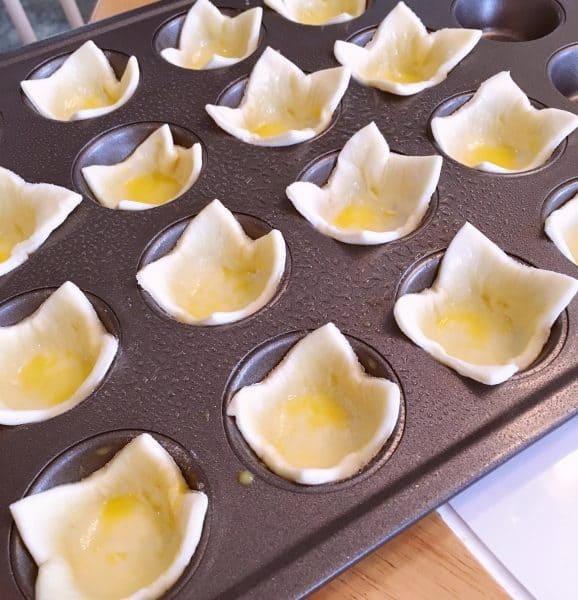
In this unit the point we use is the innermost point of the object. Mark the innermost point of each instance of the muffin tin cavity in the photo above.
(19, 307)
(510, 20)
(117, 60)
(563, 71)
(84, 84)
(254, 367)
(169, 33)
(165, 241)
(319, 170)
(363, 36)
(56, 351)
(422, 274)
(86, 457)
(403, 57)
(232, 95)
(558, 197)
(115, 145)
(452, 104)
(559, 218)
(279, 104)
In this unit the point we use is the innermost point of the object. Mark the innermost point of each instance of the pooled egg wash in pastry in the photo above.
(313, 426)
(80, 99)
(363, 212)
(53, 359)
(124, 545)
(317, 416)
(151, 188)
(223, 46)
(481, 331)
(266, 123)
(319, 12)
(223, 288)
(50, 376)
(362, 215)
(126, 531)
(503, 155)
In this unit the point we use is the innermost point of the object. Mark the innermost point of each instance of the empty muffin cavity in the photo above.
(510, 20)
(563, 71)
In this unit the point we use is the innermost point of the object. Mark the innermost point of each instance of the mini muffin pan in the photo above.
(273, 538)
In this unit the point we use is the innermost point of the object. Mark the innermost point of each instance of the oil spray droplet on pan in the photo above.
(245, 477)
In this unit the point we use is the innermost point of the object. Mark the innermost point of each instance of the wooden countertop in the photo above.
(425, 562)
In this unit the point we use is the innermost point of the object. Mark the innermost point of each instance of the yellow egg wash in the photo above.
(89, 102)
(86, 99)
(318, 12)
(118, 508)
(224, 289)
(409, 64)
(364, 215)
(478, 331)
(271, 128)
(5, 249)
(315, 410)
(122, 547)
(502, 155)
(152, 188)
(471, 324)
(229, 48)
(299, 117)
(51, 376)
(12, 233)
(245, 478)
(317, 427)
(408, 72)
(200, 58)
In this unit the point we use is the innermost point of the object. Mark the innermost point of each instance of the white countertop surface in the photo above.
(521, 521)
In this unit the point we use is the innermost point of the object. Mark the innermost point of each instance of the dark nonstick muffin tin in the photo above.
(275, 539)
